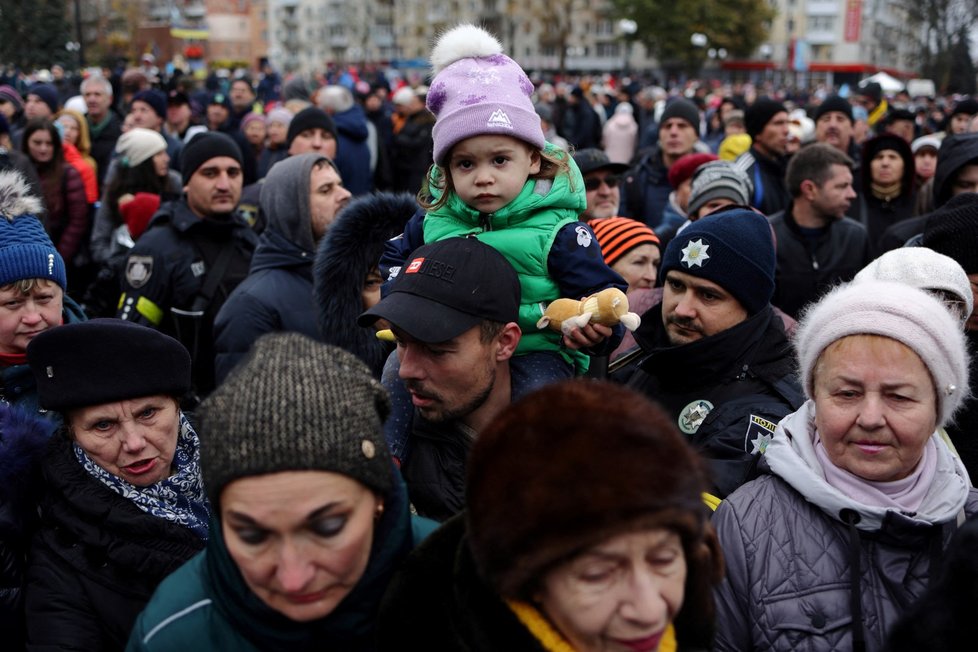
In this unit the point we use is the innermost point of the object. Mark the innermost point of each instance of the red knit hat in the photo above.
(619, 235)
(683, 169)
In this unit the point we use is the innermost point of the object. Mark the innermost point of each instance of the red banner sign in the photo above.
(854, 19)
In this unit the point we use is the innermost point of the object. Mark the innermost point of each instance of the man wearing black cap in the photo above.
(713, 352)
(647, 188)
(180, 117)
(312, 131)
(766, 161)
(870, 97)
(453, 310)
(834, 125)
(193, 255)
(957, 122)
(148, 110)
(601, 183)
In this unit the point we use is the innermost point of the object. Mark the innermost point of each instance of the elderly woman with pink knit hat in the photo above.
(859, 493)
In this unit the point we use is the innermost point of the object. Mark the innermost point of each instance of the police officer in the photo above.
(193, 255)
(715, 352)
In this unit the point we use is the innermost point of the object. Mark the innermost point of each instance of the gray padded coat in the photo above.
(789, 541)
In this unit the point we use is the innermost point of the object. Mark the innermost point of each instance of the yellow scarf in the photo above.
(550, 638)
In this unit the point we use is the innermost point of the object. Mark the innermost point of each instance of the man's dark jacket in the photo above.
(746, 373)
(808, 266)
(770, 193)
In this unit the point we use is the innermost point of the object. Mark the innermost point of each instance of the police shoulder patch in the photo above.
(139, 269)
(759, 434)
(693, 415)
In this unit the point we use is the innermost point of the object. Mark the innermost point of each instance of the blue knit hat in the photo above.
(48, 95)
(155, 99)
(733, 248)
(26, 250)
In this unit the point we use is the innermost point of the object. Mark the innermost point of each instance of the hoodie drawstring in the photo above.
(851, 517)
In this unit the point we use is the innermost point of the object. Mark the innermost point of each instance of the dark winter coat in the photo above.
(103, 143)
(96, 559)
(412, 152)
(351, 249)
(876, 214)
(167, 269)
(277, 295)
(67, 220)
(23, 439)
(808, 266)
(352, 151)
(770, 191)
(726, 391)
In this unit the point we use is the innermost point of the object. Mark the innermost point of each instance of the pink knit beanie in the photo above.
(478, 90)
(899, 312)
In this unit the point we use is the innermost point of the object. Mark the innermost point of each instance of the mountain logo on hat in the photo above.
(414, 266)
(499, 119)
(695, 254)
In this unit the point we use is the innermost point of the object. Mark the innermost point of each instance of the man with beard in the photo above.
(194, 253)
(715, 354)
(453, 311)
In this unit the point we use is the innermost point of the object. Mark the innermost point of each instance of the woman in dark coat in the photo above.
(888, 189)
(561, 528)
(123, 503)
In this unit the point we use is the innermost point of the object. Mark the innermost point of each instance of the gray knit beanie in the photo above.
(896, 311)
(295, 405)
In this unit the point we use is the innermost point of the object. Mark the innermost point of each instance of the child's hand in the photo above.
(590, 335)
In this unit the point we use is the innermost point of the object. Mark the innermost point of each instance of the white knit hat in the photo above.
(138, 145)
(897, 311)
(924, 269)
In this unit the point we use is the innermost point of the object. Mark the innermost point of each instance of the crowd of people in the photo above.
(281, 367)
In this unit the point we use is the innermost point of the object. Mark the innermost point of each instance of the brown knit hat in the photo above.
(619, 235)
(295, 405)
(571, 465)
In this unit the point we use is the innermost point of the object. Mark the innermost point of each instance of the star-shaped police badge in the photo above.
(694, 254)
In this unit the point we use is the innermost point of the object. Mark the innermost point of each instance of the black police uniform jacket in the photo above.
(808, 266)
(727, 392)
(167, 269)
(95, 560)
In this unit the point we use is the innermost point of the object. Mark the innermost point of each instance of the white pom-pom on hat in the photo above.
(462, 42)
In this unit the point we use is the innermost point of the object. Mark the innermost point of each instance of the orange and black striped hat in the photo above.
(619, 235)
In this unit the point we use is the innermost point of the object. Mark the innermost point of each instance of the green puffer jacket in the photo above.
(523, 231)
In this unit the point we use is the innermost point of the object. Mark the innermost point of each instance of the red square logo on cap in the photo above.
(414, 266)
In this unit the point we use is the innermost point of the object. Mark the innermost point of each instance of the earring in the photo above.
(380, 510)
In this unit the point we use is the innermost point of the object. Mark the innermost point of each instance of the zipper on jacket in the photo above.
(485, 221)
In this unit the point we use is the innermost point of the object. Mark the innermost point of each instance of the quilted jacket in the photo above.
(789, 541)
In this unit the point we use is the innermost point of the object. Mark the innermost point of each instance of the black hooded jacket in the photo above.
(877, 214)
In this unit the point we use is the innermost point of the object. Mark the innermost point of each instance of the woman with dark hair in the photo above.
(67, 217)
(585, 530)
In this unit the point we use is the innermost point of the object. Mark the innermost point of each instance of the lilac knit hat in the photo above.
(478, 90)
(899, 312)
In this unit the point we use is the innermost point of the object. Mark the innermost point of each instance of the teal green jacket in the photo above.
(206, 606)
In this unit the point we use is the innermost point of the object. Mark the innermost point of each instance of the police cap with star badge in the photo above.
(733, 248)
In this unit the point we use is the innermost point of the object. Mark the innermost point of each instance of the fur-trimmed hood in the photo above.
(352, 247)
(16, 199)
(23, 437)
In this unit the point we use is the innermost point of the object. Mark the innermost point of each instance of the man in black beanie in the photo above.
(194, 253)
(766, 161)
(834, 124)
(312, 132)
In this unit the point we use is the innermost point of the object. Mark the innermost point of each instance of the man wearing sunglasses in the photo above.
(601, 183)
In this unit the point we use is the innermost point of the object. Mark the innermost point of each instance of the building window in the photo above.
(821, 23)
(608, 50)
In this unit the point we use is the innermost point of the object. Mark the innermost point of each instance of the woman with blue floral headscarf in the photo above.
(123, 504)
